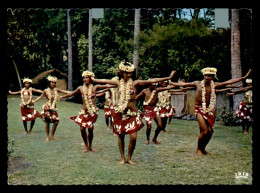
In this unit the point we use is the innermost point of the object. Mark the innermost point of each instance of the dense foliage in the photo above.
(169, 39)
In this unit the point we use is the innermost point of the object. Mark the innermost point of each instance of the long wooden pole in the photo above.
(17, 73)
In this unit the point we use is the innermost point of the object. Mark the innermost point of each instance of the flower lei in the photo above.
(212, 97)
(30, 99)
(151, 97)
(52, 106)
(88, 100)
(163, 99)
(124, 95)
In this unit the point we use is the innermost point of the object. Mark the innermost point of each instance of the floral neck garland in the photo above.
(124, 91)
(151, 97)
(87, 91)
(22, 96)
(53, 104)
(163, 98)
(212, 96)
(108, 97)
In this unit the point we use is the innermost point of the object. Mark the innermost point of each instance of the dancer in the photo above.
(88, 113)
(245, 108)
(205, 104)
(127, 119)
(49, 113)
(151, 110)
(27, 108)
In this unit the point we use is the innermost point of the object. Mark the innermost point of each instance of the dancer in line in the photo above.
(151, 110)
(127, 119)
(27, 108)
(205, 104)
(50, 111)
(88, 113)
(245, 108)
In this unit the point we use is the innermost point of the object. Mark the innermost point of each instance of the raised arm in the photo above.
(164, 88)
(190, 84)
(106, 86)
(18, 92)
(232, 81)
(240, 90)
(154, 80)
(63, 91)
(222, 90)
(139, 95)
(37, 90)
(100, 94)
(39, 98)
(105, 81)
(71, 93)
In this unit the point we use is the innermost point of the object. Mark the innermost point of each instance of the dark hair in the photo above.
(120, 72)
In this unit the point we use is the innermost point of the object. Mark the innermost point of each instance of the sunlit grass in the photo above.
(172, 162)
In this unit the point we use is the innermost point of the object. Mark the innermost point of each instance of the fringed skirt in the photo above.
(48, 115)
(150, 113)
(29, 113)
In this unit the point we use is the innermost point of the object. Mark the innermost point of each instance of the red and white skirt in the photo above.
(126, 124)
(29, 114)
(245, 112)
(209, 116)
(48, 115)
(166, 111)
(150, 113)
(85, 119)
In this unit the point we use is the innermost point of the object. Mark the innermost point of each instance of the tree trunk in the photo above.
(90, 60)
(235, 54)
(136, 39)
(70, 85)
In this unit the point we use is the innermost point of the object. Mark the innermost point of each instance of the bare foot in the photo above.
(147, 142)
(155, 141)
(47, 139)
(54, 138)
(122, 162)
(91, 149)
(130, 162)
(86, 150)
(25, 132)
(107, 127)
(199, 153)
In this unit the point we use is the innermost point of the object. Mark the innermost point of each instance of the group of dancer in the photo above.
(120, 107)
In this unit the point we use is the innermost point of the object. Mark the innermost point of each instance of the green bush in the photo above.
(226, 116)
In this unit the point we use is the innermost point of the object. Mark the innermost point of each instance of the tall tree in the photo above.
(90, 66)
(136, 38)
(70, 85)
(235, 53)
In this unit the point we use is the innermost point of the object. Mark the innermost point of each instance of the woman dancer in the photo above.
(50, 111)
(88, 113)
(127, 119)
(27, 107)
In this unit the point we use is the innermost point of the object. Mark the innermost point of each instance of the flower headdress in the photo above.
(126, 68)
(27, 80)
(210, 70)
(249, 81)
(88, 73)
(52, 78)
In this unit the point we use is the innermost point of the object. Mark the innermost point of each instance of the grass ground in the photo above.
(173, 162)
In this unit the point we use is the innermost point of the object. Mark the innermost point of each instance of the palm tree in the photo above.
(70, 85)
(90, 66)
(235, 54)
(136, 39)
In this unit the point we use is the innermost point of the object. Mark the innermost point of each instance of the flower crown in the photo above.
(209, 71)
(249, 81)
(126, 68)
(27, 80)
(88, 73)
(52, 78)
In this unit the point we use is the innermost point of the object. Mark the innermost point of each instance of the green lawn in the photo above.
(173, 162)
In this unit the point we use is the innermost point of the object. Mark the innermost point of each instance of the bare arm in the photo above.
(178, 93)
(232, 81)
(63, 91)
(139, 95)
(222, 90)
(105, 81)
(104, 90)
(37, 90)
(40, 97)
(240, 90)
(71, 93)
(100, 94)
(190, 84)
(154, 80)
(18, 92)
(164, 88)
